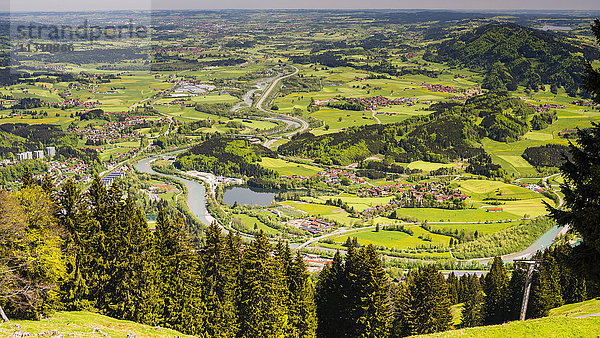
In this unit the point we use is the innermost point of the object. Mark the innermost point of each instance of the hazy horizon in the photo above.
(458, 5)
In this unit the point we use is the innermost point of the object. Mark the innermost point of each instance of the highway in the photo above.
(259, 106)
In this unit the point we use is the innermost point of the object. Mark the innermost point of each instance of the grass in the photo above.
(249, 221)
(82, 324)
(393, 239)
(577, 309)
(560, 323)
(429, 166)
(284, 167)
(326, 211)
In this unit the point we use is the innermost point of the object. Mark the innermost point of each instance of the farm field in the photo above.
(288, 168)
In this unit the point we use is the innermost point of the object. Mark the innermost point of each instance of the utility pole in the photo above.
(532, 263)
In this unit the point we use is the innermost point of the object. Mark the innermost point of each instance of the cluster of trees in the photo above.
(173, 140)
(502, 242)
(94, 114)
(300, 83)
(95, 251)
(14, 172)
(504, 127)
(27, 103)
(347, 105)
(190, 128)
(449, 133)
(482, 165)
(32, 135)
(398, 227)
(340, 203)
(543, 120)
(548, 155)
(436, 137)
(226, 157)
(220, 109)
(19, 137)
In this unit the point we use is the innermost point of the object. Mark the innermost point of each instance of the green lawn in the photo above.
(429, 166)
(249, 221)
(82, 324)
(560, 323)
(394, 239)
(284, 167)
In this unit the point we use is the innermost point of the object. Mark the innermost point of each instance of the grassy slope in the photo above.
(560, 323)
(83, 323)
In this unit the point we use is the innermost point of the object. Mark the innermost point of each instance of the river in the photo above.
(196, 198)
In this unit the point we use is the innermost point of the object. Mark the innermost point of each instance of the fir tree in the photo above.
(261, 309)
(301, 299)
(472, 310)
(430, 302)
(27, 179)
(329, 301)
(495, 287)
(374, 316)
(179, 278)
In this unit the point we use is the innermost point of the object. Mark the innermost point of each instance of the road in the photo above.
(374, 114)
(266, 93)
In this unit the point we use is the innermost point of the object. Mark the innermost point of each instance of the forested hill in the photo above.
(227, 157)
(18, 137)
(513, 54)
(451, 132)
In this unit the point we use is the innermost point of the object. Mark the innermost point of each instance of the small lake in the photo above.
(245, 195)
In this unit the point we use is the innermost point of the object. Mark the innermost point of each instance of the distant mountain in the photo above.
(512, 55)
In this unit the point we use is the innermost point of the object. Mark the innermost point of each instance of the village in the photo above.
(117, 130)
(432, 194)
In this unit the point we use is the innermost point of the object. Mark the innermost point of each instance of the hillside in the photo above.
(562, 322)
(451, 132)
(82, 324)
(515, 55)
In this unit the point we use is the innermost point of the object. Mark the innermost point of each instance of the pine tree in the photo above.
(404, 314)
(472, 310)
(329, 299)
(220, 273)
(47, 185)
(453, 286)
(516, 288)
(495, 287)
(373, 287)
(301, 299)
(261, 309)
(591, 81)
(581, 209)
(27, 179)
(430, 302)
(181, 305)
(72, 216)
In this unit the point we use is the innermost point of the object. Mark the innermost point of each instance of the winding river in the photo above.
(196, 199)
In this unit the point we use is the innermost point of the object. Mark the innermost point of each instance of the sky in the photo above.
(80, 5)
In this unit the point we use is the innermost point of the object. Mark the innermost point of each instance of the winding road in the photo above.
(259, 106)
